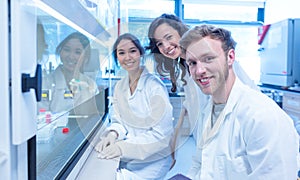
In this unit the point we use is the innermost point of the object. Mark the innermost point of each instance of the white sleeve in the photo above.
(116, 123)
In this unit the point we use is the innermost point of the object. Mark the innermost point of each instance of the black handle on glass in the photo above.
(33, 82)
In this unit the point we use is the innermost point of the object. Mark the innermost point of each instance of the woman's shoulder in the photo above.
(121, 84)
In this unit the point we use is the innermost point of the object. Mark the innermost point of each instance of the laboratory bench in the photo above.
(287, 98)
(291, 105)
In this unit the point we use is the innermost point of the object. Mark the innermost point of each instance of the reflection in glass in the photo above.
(68, 85)
(73, 104)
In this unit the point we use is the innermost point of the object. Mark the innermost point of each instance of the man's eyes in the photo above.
(207, 59)
(191, 63)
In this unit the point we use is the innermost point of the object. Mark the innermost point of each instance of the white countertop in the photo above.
(95, 168)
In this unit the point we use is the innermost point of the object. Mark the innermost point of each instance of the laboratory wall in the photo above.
(277, 10)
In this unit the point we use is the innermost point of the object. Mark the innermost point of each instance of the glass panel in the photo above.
(73, 91)
(105, 11)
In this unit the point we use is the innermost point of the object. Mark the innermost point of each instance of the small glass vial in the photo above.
(48, 118)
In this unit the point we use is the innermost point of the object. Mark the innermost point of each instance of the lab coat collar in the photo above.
(141, 82)
(209, 133)
(234, 95)
(232, 101)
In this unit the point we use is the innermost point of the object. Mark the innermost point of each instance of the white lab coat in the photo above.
(256, 140)
(143, 121)
(56, 83)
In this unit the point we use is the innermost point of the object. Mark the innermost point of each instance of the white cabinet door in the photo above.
(4, 95)
(23, 60)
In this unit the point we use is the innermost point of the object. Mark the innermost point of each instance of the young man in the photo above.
(246, 135)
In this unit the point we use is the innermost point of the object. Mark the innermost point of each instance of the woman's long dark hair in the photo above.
(167, 66)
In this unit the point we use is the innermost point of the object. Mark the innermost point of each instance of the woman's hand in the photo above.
(110, 139)
(110, 152)
(76, 86)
